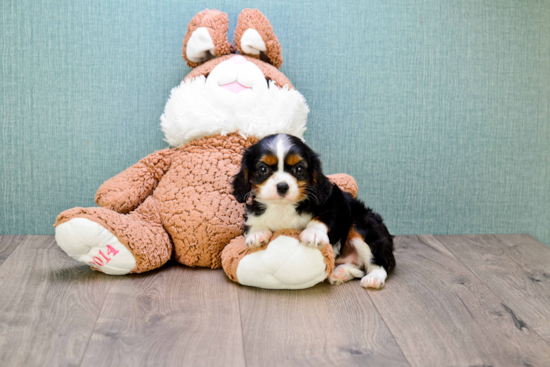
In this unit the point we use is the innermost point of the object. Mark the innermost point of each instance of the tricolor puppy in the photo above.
(283, 184)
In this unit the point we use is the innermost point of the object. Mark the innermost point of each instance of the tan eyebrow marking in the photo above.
(292, 159)
(269, 159)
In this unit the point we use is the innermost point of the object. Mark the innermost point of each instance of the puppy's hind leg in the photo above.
(376, 274)
(344, 272)
(348, 266)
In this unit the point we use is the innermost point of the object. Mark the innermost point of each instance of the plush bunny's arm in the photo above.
(345, 182)
(127, 190)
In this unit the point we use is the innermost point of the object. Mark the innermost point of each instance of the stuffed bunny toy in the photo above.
(177, 202)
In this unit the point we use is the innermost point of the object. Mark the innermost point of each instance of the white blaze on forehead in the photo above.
(280, 145)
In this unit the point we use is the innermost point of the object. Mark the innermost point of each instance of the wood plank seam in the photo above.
(443, 314)
(300, 328)
(519, 323)
(241, 323)
(95, 324)
(387, 326)
(499, 240)
(58, 288)
(171, 316)
(19, 241)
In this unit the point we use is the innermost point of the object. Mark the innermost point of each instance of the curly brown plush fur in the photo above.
(177, 202)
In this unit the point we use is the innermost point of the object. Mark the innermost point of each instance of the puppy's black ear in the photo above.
(322, 184)
(241, 181)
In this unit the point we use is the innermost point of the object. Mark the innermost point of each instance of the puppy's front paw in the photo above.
(375, 279)
(257, 239)
(314, 237)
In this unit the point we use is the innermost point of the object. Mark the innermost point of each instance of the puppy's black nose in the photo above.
(282, 188)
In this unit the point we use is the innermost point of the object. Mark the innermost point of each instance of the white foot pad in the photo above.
(375, 279)
(92, 244)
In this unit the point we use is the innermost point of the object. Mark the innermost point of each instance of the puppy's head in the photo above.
(280, 168)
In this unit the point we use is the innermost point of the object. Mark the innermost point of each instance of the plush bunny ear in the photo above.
(254, 37)
(206, 37)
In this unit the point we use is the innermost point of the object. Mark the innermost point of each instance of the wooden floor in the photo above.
(452, 301)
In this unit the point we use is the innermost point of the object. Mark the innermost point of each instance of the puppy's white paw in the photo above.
(375, 279)
(314, 237)
(257, 239)
(343, 273)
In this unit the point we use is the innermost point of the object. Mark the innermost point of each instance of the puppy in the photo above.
(282, 182)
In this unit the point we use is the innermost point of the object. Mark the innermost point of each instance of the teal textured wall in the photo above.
(440, 109)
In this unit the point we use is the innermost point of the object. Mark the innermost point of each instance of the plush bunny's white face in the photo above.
(235, 97)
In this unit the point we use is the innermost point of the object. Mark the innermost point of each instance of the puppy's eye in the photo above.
(299, 170)
(263, 169)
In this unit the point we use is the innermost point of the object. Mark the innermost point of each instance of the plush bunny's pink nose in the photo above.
(238, 59)
(234, 87)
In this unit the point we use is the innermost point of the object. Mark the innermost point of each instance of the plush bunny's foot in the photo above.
(284, 263)
(92, 244)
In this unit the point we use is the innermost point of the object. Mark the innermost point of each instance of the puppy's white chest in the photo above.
(279, 216)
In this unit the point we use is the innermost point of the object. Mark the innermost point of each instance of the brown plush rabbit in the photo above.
(177, 202)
